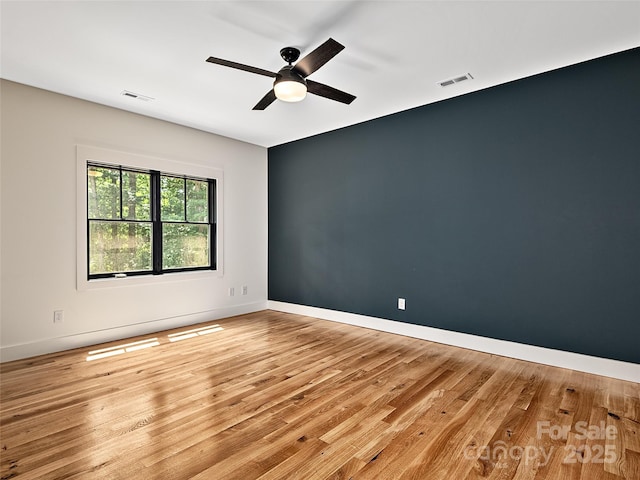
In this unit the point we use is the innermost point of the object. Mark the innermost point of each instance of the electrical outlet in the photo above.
(401, 304)
(58, 316)
(232, 291)
(245, 290)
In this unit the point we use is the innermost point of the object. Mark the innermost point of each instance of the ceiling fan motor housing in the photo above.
(289, 74)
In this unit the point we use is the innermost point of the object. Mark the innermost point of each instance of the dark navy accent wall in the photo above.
(511, 213)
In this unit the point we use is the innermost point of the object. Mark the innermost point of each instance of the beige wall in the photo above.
(40, 132)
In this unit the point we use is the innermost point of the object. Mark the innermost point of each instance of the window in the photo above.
(145, 222)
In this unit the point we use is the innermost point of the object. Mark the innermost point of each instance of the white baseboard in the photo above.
(59, 344)
(547, 356)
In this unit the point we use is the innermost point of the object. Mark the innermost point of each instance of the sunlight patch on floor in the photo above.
(120, 349)
(150, 342)
(175, 337)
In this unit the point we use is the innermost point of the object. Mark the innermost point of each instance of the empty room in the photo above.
(358, 240)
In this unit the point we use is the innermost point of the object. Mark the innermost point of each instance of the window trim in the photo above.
(96, 155)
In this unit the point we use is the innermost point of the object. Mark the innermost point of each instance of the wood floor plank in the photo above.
(631, 465)
(276, 396)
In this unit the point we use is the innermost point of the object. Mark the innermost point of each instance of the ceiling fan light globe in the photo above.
(290, 91)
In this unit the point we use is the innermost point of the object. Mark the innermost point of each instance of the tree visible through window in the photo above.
(147, 222)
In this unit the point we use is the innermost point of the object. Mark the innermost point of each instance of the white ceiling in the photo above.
(396, 53)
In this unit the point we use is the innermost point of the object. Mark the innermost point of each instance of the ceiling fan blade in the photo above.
(329, 92)
(267, 100)
(240, 66)
(318, 57)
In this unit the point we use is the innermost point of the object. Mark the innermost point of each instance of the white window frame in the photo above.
(86, 154)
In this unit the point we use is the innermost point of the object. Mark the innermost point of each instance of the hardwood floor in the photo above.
(278, 396)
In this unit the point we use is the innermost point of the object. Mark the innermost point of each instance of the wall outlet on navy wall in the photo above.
(401, 304)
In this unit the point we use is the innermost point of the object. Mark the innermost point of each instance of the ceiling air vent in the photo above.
(452, 81)
(144, 98)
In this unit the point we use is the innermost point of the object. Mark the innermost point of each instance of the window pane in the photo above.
(136, 190)
(185, 245)
(197, 201)
(172, 198)
(103, 192)
(119, 247)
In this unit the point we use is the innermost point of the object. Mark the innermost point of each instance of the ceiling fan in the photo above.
(291, 83)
